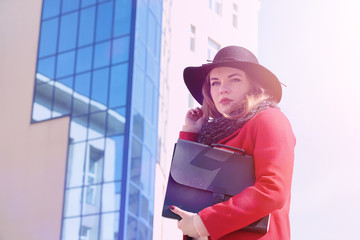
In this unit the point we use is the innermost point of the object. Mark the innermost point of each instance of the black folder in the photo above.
(201, 176)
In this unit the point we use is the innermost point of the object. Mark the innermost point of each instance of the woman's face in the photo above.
(228, 88)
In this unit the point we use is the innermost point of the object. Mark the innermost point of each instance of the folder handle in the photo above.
(228, 147)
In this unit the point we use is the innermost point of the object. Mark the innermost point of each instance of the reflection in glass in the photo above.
(94, 162)
(97, 125)
(109, 226)
(71, 228)
(116, 121)
(102, 54)
(73, 202)
(120, 50)
(143, 232)
(69, 5)
(48, 37)
(114, 159)
(122, 17)
(75, 165)
(136, 148)
(86, 26)
(104, 21)
(111, 197)
(89, 228)
(138, 90)
(68, 29)
(62, 100)
(78, 128)
(134, 196)
(46, 67)
(131, 228)
(99, 88)
(118, 85)
(84, 59)
(65, 64)
(91, 199)
(50, 8)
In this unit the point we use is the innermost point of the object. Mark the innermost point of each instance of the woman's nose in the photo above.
(224, 88)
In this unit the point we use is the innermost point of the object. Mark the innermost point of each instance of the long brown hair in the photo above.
(256, 95)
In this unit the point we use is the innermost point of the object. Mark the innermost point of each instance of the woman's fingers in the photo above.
(178, 211)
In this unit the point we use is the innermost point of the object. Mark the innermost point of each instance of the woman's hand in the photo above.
(194, 120)
(186, 224)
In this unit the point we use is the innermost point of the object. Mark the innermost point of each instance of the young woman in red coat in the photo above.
(239, 108)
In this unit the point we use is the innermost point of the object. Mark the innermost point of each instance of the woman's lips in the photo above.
(225, 101)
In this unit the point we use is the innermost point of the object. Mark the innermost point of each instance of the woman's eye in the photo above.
(214, 83)
(236, 79)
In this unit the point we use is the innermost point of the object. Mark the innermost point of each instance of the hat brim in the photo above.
(194, 77)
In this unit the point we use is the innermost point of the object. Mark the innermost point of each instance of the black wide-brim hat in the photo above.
(236, 57)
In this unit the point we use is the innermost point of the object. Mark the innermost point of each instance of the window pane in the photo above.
(138, 90)
(94, 162)
(84, 59)
(89, 228)
(72, 202)
(104, 21)
(138, 126)
(102, 54)
(69, 5)
(99, 88)
(97, 125)
(135, 171)
(48, 37)
(91, 199)
(82, 84)
(122, 17)
(131, 228)
(146, 171)
(114, 159)
(75, 165)
(120, 50)
(110, 226)
(71, 228)
(62, 100)
(46, 67)
(111, 196)
(149, 97)
(50, 8)
(118, 85)
(86, 29)
(143, 232)
(115, 121)
(85, 3)
(65, 64)
(68, 30)
(78, 128)
(134, 196)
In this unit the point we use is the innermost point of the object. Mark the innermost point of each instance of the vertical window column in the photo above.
(192, 37)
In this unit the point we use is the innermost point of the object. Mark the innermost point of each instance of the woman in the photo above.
(239, 108)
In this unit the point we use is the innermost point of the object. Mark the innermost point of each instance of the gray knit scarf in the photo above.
(218, 128)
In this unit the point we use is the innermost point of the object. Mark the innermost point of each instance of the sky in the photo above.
(313, 46)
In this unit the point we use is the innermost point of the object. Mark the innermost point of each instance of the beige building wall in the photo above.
(32, 156)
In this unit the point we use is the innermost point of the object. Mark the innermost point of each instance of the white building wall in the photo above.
(178, 16)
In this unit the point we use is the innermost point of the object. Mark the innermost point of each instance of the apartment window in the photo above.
(92, 173)
(84, 233)
(235, 16)
(216, 6)
(213, 48)
(192, 37)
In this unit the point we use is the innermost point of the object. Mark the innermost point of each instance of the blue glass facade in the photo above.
(99, 63)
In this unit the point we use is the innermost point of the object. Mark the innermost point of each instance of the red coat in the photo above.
(269, 138)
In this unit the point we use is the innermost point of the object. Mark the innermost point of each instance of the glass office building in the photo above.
(99, 63)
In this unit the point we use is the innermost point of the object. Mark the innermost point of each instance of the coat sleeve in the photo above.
(271, 138)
